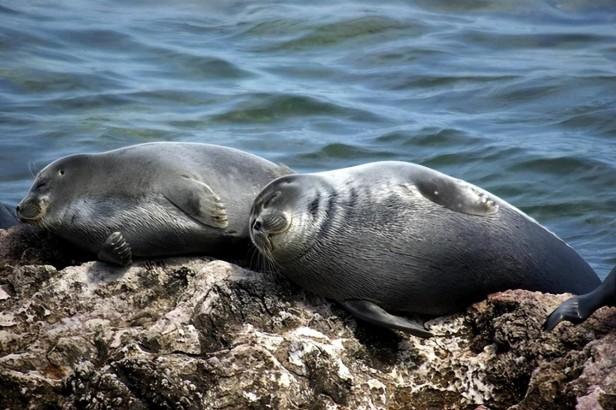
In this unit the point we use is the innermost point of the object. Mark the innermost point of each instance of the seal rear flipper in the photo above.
(372, 313)
(456, 195)
(116, 250)
(579, 308)
(197, 200)
(569, 310)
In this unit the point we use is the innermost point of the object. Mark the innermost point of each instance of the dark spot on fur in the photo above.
(313, 208)
(329, 213)
(352, 198)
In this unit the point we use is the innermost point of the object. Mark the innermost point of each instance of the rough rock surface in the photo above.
(195, 333)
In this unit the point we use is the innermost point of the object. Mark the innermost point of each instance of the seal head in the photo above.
(283, 216)
(52, 184)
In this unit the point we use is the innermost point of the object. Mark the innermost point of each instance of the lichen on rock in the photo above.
(196, 333)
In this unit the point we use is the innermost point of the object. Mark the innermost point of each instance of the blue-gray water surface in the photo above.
(518, 97)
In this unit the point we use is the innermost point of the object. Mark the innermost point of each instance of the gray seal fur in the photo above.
(393, 238)
(154, 199)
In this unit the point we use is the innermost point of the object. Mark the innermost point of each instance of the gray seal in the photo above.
(393, 239)
(147, 200)
(579, 308)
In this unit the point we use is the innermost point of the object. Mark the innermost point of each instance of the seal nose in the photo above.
(257, 225)
(17, 208)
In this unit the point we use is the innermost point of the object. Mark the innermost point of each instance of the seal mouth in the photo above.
(32, 220)
(31, 213)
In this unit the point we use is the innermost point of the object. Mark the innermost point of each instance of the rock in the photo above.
(196, 333)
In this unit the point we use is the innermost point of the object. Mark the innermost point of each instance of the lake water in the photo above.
(518, 97)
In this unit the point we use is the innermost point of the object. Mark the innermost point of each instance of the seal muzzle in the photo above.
(31, 210)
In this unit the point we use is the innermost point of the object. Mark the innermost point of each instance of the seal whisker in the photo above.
(31, 168)
(252, 255)
(270, 264)
(265, 268)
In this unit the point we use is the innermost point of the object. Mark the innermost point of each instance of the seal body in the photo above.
(153, 199)
(398, 237)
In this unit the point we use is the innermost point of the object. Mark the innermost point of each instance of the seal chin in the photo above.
(31, 220)
(267, 225)
(262, 241)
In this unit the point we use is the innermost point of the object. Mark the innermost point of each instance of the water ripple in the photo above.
(516, 96)
(274, 107)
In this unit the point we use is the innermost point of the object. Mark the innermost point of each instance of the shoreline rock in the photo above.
(197, 333)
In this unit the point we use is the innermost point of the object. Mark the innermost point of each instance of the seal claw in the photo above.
(116, 250)
(199, 201)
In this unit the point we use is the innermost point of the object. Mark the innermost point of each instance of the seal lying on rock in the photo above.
(155, 199)
(579, 308)
(391, 238)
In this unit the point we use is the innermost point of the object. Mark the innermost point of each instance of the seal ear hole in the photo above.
(61, 172)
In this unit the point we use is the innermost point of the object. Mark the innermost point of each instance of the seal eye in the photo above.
(61, 172)
(268, 200)
(40, 185)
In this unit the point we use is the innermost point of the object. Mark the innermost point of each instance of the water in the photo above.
(518, 97)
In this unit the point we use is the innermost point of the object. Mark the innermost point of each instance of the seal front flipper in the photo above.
(197, 200)
(116, 250)
(372, 313)
(456, 195)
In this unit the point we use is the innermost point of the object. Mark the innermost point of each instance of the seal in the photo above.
(392, 239)
(147, 200)
(579, 308)
(7, 216)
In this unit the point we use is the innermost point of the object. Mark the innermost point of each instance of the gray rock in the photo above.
(196, 333)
